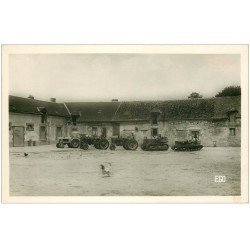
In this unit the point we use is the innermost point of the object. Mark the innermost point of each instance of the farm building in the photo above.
(36, 122)
(215, 121)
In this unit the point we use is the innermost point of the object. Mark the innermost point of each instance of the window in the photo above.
(42, 133)
(154, 118)
(10, 125)
(232, 117)
(154, 131)
(232, 131)
(94, 131)
(29, 126)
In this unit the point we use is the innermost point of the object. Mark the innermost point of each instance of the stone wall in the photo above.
(210, 133)
(86, 128)
(17, 119)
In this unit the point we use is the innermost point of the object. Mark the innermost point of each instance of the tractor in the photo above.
(98, 142)
(187, 145)
(71, 142)
(128, 143)
(189, 141)
(83, 141)
(155, 144)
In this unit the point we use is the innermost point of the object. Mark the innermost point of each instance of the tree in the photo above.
(194, 95)
(230, 91)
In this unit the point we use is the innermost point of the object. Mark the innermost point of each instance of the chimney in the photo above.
(31, 97)
(114, 100)
(53, 99)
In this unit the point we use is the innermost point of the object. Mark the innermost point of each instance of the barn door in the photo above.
(18, 136)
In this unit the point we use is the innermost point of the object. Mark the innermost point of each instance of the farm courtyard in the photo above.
(48, 171)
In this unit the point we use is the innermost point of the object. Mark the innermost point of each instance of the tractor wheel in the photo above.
(75, 143)
(103, 144)
(112, 147)
(97, 144)
(132, 145)
(125, 145)
(84, 146)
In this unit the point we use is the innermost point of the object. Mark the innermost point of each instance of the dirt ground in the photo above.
(48, 171)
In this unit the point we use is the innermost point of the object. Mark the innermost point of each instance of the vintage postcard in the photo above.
(125, 123)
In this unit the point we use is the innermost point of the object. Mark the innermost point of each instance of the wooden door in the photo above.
(18, 136)
(42, 133)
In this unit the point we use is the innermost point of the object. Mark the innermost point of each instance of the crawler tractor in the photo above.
(187, 145)
(155, 144)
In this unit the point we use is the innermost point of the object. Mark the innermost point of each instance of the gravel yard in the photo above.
(48, 171)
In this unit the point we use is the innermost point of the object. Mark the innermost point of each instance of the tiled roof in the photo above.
(206, 109)
(224, 104)
(179, 109)
(94, 111)
(30, 106)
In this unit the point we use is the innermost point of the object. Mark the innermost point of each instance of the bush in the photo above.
(230, 91)
(194, 95)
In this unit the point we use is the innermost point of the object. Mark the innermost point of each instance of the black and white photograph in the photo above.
(121, 123)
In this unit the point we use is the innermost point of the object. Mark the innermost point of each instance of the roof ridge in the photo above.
(26, 98)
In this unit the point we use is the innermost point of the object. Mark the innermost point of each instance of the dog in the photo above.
(105, 169)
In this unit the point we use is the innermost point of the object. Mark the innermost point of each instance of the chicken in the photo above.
(105, 169)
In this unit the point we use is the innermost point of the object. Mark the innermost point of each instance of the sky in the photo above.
(127, 77)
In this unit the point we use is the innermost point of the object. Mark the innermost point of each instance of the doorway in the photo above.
(18, 136)
(42, 133)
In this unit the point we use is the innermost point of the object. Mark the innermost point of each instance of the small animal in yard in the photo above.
(105, 169)
(26, 154)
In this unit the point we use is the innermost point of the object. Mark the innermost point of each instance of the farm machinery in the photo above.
(83, 141)
(128, 143)
(155, 144)
(193, 145)
(189, 141)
